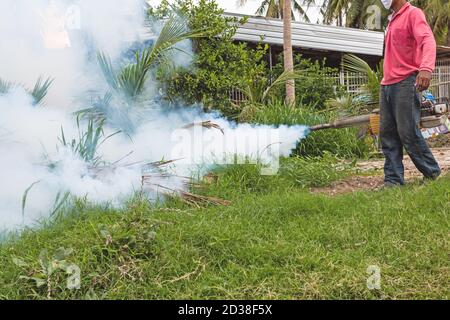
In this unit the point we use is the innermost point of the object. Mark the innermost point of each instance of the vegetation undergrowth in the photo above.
(294, 173)
(274, 244)
(275, 240)
(344, 143)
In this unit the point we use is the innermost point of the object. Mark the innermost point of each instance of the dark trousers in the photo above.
(400, 119)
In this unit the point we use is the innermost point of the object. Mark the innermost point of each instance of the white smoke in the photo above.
(65, 50)
(57, 38)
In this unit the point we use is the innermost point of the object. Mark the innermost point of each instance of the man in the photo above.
(410, 55)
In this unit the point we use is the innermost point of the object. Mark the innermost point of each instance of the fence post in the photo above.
(341, 77)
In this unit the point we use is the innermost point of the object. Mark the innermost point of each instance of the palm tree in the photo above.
(359, 13)
(438, 15)
(276, 8)
(334, 10)
(262, 89)
(354, 13)
(288, 53)
(350, 13)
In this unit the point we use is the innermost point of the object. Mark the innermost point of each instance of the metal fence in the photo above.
(351, 81)
(237, 96)
(440, 84)
(354, 82)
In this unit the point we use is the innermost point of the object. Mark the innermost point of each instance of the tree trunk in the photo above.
(288, 54)
(448, 32)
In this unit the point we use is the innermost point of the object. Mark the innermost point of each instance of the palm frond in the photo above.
(281, 80)
(108, 71)
(175, 30)
(297, 7)
(260, 90)
(5, 86)
(355, 64)
(40, 90)
(130, 80)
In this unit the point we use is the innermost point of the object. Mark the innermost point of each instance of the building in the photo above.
(323, 41)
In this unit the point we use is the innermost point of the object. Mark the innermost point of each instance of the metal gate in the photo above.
(440, 84)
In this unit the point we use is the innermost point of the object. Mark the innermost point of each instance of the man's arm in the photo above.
(425, 40)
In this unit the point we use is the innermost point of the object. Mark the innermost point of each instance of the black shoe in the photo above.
(390, 185)
(432, 178)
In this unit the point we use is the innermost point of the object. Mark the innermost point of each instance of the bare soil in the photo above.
(370, 175)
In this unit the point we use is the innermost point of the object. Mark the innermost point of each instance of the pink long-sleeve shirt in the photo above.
(409, 45)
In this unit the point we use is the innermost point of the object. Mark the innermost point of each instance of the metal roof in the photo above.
(443, 52)
(311, 36)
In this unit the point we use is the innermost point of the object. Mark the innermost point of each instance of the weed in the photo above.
(43, 276)
(88, 141)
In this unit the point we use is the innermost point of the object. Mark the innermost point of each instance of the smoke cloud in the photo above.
(60, 39)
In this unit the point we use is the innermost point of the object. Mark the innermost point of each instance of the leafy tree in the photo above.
(219, 63)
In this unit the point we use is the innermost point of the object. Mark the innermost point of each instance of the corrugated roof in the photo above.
(443, 52)
(311, 36)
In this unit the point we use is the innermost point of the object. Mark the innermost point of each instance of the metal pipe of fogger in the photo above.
(343, 123)
(431, 121)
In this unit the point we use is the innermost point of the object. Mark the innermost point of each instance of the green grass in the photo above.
(269, 243)
(294, 172)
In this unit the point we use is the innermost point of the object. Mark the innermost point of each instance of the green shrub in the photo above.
(317, 85)
(343, 143)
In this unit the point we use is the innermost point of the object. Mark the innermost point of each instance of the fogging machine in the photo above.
(434, 114)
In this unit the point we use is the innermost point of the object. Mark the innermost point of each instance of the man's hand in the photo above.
(423, 80)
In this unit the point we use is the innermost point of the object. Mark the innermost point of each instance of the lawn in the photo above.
(278, 243)
(235, 234)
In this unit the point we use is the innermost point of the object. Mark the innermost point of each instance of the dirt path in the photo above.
(372, 174)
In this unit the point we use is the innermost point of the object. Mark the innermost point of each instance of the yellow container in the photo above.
(374, 122)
